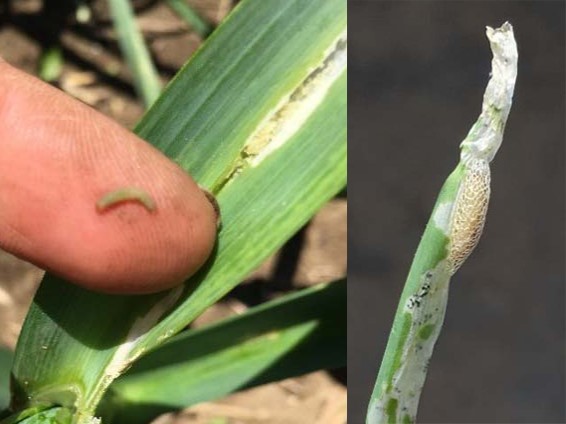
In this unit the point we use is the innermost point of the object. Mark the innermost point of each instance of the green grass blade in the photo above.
(299, 333)
(195, 21)
(259, 116)
(132, 44)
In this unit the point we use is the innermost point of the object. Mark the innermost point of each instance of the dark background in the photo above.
(417, 73)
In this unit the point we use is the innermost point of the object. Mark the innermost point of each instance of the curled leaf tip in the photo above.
(485, 137)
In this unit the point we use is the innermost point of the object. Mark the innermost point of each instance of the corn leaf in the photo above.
(296, 334)
(258, 116)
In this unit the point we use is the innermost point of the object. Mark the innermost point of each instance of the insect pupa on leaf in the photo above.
(470, 210)
(126, 194)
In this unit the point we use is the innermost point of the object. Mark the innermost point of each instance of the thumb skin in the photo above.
(58, 158)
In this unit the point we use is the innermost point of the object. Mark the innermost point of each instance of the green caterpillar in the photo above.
(126, 194)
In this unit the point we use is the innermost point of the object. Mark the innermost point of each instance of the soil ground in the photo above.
(95, 73)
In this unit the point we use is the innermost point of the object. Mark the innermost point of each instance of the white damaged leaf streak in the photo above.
(125, 354)
(122, 358)
(441, 216)
(293, 110)
(426, 308)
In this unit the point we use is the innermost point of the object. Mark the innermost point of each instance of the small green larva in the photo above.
(126, 194)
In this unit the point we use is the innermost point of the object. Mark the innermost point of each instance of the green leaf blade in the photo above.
(266, 56)
(74, 342)
(298, 333)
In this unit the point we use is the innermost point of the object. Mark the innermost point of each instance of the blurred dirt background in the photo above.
(417, 73)
(95, 74)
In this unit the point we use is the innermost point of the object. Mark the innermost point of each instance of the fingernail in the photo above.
(210, 197)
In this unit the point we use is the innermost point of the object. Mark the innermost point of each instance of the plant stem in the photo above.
(146, 78)
(450, 236)
(186, 12)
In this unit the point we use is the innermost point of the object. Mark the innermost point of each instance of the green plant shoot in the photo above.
(450, 236)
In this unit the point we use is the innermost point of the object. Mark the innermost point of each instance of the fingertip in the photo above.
(59, 159)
